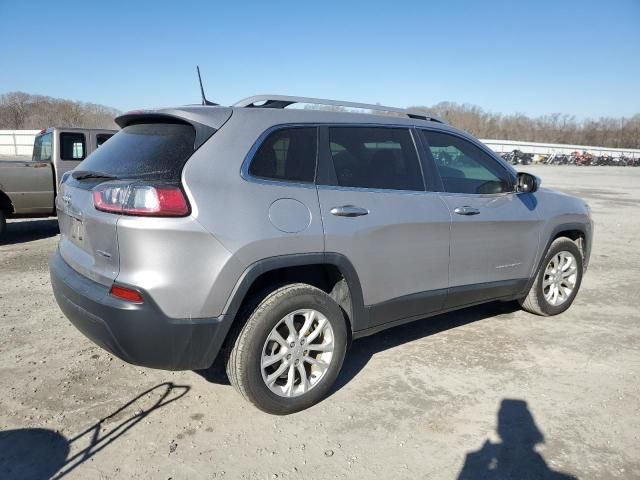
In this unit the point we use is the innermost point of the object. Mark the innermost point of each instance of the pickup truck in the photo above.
(28, 187)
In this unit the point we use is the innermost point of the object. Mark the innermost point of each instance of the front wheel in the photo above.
(558, 281)
(288, 354)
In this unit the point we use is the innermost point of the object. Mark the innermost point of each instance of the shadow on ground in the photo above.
(514, 456)
(363, 349)
(38, 454)
(28, 230)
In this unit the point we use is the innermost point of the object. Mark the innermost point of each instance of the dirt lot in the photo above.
(489, 392)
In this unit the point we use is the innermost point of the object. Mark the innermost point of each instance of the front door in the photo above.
(377, 212)
(494, 231)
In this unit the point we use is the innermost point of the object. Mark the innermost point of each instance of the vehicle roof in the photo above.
(210, 115)
(275, 107)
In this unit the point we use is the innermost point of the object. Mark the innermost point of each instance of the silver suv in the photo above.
(274, 236)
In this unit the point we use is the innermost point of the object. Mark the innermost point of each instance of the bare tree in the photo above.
(555, 128)
(15, 108)
(19, 110)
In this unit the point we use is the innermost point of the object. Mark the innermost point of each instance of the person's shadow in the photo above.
(514, 457)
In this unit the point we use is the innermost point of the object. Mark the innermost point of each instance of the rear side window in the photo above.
(375, 157)
(153, 151)
(102, 137)
(72, 146)
(42, 148)
(287, 155)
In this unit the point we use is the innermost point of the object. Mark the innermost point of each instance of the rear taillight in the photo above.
(141, 199)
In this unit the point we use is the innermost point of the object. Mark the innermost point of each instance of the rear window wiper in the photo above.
(85, 174)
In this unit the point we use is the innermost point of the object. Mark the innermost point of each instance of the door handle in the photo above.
(466, 210)
(349, 211)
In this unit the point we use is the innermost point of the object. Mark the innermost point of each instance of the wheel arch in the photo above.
(331, 272)
(576, 232)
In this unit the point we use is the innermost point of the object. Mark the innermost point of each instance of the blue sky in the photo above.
(534, 57)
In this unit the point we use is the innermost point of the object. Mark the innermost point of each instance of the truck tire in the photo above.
(287, 355)
(3, 224)
(558, 280)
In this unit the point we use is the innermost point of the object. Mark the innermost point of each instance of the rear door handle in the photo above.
(349, 211)
(466, 210)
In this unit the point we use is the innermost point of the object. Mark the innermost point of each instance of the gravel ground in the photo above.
(487, 392)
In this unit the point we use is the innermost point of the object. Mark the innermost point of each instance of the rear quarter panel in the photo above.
(237, 211)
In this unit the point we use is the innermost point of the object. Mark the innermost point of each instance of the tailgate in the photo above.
(88, 238)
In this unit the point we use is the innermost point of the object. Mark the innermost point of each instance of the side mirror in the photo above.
(527, 183)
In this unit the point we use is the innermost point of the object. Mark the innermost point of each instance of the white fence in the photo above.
(504, 146)
(17, 143)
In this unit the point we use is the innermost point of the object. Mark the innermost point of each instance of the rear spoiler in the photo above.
(203, 131)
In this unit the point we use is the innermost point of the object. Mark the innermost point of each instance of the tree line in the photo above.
(19, 110)
(24, 111)
(555, 128)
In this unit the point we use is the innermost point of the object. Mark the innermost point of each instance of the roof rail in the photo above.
(283, 101)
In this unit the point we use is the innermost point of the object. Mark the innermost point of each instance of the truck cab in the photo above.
(28, 188)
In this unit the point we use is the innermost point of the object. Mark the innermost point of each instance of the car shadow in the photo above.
(361, 351)
(514, 455)
(39, 454)
(28, 230)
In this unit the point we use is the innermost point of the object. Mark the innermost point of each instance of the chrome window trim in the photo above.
(478, 195)
(373, 190)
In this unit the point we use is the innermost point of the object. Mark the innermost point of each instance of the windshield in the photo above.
(154, 151)
(42, 148)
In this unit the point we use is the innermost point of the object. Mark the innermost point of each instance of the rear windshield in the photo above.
(42, 148)
(154, 151)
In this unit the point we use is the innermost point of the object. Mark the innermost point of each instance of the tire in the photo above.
(536, 301)
(255, 339)
(3, 224)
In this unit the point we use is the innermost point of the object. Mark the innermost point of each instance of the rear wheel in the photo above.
(3, 224)
(288, 354)
(558, 281)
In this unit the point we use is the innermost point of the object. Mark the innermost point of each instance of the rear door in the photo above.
(72, 148)
(494, 231)
(377, 212)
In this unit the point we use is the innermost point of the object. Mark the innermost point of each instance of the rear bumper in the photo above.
(137, 333)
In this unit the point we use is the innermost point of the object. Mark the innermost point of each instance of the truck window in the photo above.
(72, 146)
(102, 137)
(42, 148)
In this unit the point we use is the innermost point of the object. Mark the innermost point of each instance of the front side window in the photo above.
(72, 146)
(287, 155)
(464, 167)
(42, 148)
(375, 157)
